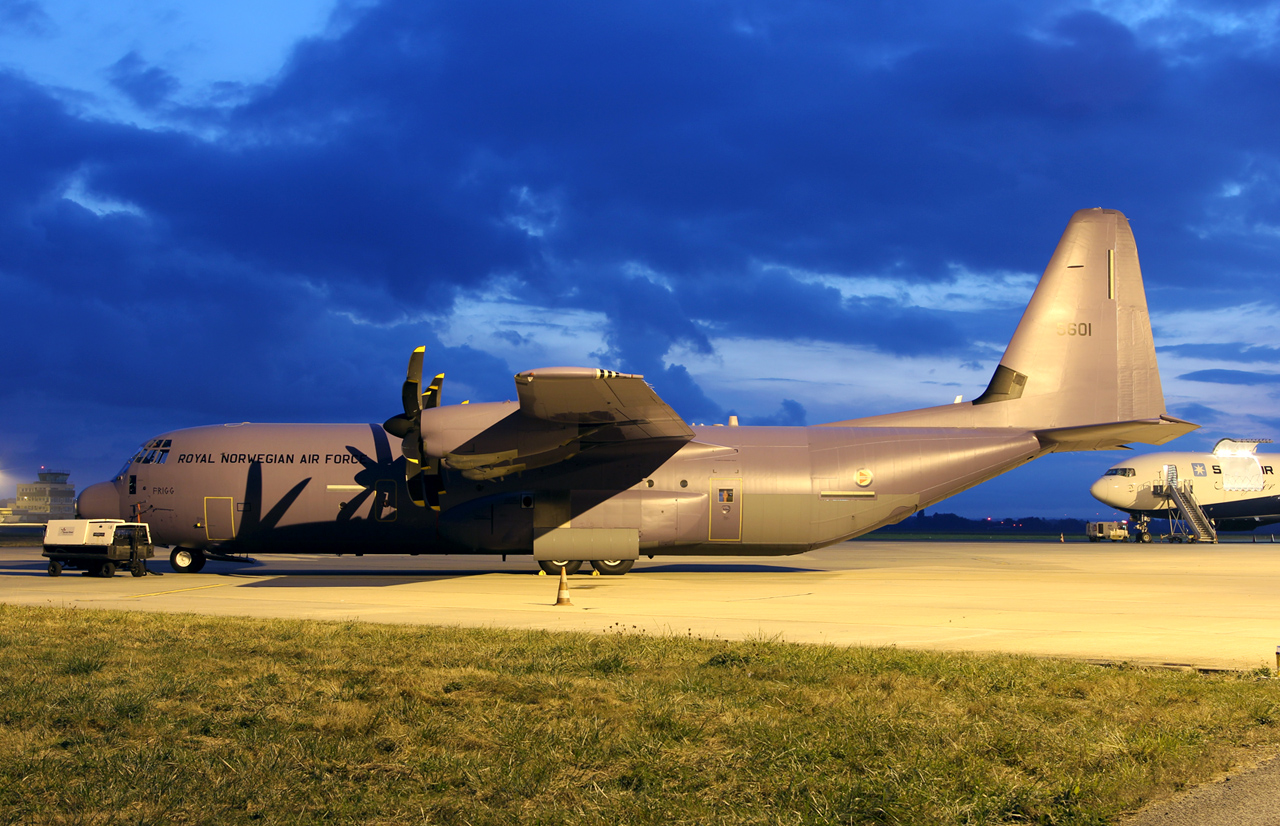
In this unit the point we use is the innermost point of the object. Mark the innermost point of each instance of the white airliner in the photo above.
(1232, 488)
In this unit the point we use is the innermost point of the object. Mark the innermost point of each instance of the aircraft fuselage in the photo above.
(260, 488)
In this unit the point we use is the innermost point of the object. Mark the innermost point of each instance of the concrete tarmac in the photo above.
(1212, 606)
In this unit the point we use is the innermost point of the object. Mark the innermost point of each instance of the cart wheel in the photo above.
(55, 568)
(137, 568)
(108, 569)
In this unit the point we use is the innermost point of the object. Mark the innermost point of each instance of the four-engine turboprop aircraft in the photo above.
(590, 465)
(1232, 486)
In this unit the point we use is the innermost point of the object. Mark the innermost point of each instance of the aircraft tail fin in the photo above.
(1083, 355)
(1083, 352)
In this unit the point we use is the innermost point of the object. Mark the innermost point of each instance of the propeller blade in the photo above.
(431, 396)
(422, 474)
(411, 392)
(414, 482)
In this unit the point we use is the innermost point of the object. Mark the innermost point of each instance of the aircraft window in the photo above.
(161, 456)
(1121, 471)
(726, 494)
(684, 483)
(124, 469)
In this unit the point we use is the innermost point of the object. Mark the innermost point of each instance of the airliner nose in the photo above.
(1108, 492)
(99, 501)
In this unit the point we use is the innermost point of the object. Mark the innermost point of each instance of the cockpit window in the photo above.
(155, 451)
(1121, 471)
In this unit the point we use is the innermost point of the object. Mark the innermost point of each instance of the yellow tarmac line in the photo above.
(180, 590)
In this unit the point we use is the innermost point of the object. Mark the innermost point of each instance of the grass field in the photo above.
(152, 718)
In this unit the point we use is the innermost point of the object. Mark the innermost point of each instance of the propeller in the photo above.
(422, 473)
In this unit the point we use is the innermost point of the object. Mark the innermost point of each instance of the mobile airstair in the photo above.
(1183, 500)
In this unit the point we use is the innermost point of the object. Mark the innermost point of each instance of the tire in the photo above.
(137, 568)
(107, 570)
(186, 560)
(612, 567)
(55, 568)
(1145, 539)
(553, 566)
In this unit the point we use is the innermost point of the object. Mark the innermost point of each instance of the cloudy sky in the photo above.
(793, 211)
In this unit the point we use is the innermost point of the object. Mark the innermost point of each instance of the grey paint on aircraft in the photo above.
(588, 450)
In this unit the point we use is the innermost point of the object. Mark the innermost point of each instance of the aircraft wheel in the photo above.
(1145, 538)
(612, 567)
(55, 568)
(186, 560)
(553, 566)
(107, 570)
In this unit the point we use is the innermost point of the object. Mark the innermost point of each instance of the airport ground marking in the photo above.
(179, 590)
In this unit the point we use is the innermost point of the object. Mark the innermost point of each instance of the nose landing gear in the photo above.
(187, 560)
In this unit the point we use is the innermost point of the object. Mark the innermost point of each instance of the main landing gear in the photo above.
(605, 567)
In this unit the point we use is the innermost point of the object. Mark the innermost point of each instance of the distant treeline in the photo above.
(951, 523)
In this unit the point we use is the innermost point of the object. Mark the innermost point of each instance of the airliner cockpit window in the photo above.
(1121, 471)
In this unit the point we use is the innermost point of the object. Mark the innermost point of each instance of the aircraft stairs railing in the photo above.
(1184, 500)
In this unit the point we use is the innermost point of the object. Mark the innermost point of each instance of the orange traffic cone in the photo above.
(562, 596)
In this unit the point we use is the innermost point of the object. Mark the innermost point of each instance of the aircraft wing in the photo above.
(618, 405)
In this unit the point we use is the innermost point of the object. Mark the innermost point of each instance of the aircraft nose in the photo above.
(99, 501)
(1106, 491)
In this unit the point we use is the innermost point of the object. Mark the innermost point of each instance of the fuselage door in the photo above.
(219, 518)
(726, 511)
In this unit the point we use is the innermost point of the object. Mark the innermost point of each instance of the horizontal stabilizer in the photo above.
(1114, 435)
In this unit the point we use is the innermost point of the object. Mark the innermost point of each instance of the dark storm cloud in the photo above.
(651, 162)
(791, 414)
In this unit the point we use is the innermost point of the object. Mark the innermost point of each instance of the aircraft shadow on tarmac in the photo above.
(371, 579)
(346, 579)
(723, 568)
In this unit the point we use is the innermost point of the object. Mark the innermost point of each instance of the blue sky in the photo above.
(797, 212)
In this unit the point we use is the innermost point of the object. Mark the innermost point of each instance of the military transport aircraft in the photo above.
(591, 465)
(1232, 488)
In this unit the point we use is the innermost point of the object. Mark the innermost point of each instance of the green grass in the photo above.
(137, 718)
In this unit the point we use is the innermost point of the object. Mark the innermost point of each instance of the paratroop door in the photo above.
(726, 511)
